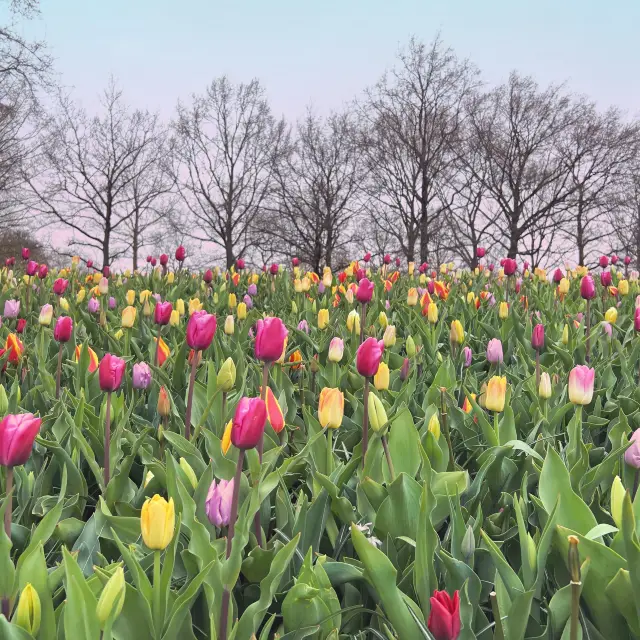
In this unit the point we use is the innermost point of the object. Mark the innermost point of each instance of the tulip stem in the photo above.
(329, 451)
(107, 442)
(365, 419)
(59, 371)
(226, 594)
(387, 454)
(157, 355)
(575, 609)
(537, 369)
(445, 428)
(588, 331)
(363, 317)
(263, 394)
(157, 594)
(636, 481)
(499, 631)
(8, 490)
(192, 382)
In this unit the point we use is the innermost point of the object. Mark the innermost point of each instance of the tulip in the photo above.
(456, 335)
(162, 313)
(11, 308)
(411, 268)
(194, 305)
(611, 315)
(274, 412)
(229, 325)
(544, 388)
(581, 379)
(111, 373)
(141, 375)
(353, 322)
(157, 522)
(606, 278)
(103, 286)
(200, 330)
(563, 286)
(252, 289)
(93, 305)
(434, 426)
(389, 337)
(632, 454)
(128, 317)
(565, 335)
(587, 288)
(164, 403)
(232, 301)
(496, 392)
(218, 502)
(377, 413)
(432, 312)
(604, 262)
(17, 433)
(365, 291)
(404, 370)
(503, 311)
(510, 267)
(239, 264)
(617, 498)
(368, 357)
(381, 378)
(63, 329)
(636, 319)
(330, 408)
(174, 320)
(323, 319)
(248, 423)
(410, 347)
(46, 315)
(480, 252)
(623, 287)
(226, 379)
(112, 597)
(28, 613)
(537, 337)
(558, 276)
(494, 351)
(336, 350)
(32, 268)
(15, 348)
(181, 253)
(242, 310)
(412, 297)
(225, 443)
(367, 256)
(26, 252)
(270, 337)
(93, 358)
(444, 617)
(383, 320)
(274, 268)
(20, 325)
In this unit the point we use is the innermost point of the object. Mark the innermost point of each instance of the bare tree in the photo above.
(520, 131)
(95, 173)
(412, 121)
(624, 216)
(317, 192)
(228, 147)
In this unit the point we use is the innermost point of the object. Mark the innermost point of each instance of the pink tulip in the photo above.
(60, 286)
(181, 253)
(270, 337)
(480, 252)
(368, 357)
(17, 433)
(63, 329)
(248, 423)
(162, 312)
(365, 290)
(587, 288)
(494, 351)
(632, 454)
(537, 337)
(581, 381)
(218, 502)
(604, 262)
(111, 372)
(636, 319)
(200, 330)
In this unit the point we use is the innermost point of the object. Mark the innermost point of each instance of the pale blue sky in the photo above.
(325, 52)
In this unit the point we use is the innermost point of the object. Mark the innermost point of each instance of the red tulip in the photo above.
(614, 259)
(387, 259)
(510, 266)
(20, 325)
(480, 252)
(397, 262)
(270, 336)
(208, 276)
(153, 262)
(295, 262)
(368, 357)
(32, 267)
(365, 290)
(164, 259)
(627, 260)
(63, 329)
(17, 433)
(537, 337)
(25, 253)
(181, 253)
(360, 273)
(274, 269)
(149, 258)
(444, 618)
(89, 264)
(367, 256)
(587, 288)
(557, 275)
(423, 267)
(106, 271)
(604, 262)
(60, 286)
(162, 312)
(110, 372)
(248, 423)
(43, 271)
(200, 330)
(342, 276)
(605, 278)
(239, 264)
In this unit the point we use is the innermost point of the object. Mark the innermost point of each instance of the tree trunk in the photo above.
(134, 249)
(230, 257)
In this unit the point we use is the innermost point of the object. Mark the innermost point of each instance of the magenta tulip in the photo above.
(181, 253)
(368, 357)
(60, 286)
(162, 312)
(110, 372)
(200, 330)
(17, 433)
(365, 291)
(587, 288)
(604, 262)
(63, 329)
(248, 423)
(537, 337)
(270, 337)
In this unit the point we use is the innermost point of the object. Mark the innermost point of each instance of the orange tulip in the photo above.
(93, 358)
(296, 357)
(274, 412)
(15, 348)
(164, 351)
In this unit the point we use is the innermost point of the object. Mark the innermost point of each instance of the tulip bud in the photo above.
(330, 408)
(617, 498)
(404, 370)
(174, 319)
(503, 310)
(248, 422)
(544, 389)
(46, 315)
(383, 320)
(227, 376)
(336, 350)
(112, 597)
(611, 315)
(377, 413)
(229, 326)
(456, 335)
(28, 613)
(389, 337)
(189, 472)
(164, 402)
(434, 425)
(381, 378)
(241, 310)
(410, 347)
(432, 312)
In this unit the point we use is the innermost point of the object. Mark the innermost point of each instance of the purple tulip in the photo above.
(218, 503)
(320, 287)
(157, 297)
(467, 356)
(112, 303)
(93, 306)
(141, 375)
(303, 326)
(248, 301)
(632, 454)
(252, 290)
(494, 351)
(11, 308)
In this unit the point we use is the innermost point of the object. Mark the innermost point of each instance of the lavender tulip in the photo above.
(218, 503)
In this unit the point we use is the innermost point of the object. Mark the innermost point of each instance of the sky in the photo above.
(323, 53)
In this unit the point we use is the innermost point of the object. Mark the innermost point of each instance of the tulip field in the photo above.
(385, 451)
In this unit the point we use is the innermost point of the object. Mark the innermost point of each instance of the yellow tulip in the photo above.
(323, 318)
(280, 360)
(233, 302)
(331, 408)
(174, 319)
(28, 614)
(81, 295)
(180, 306)
(381, 378)
(623, 287)
(226, 438)
(389, 337)
(194, 305)
(97, 276)
(64, 304)
(611, 315)
(503, 310)
(353, 322)
(327, 279)
(412, 297)
(241, 311)
(144, 295)
(412, 266)
(103, 286)
(306, 284)
(496, 392)
(128, 317)
(46, 315)
(564, 285)
(146, 309)
(130, 297)
(456, 335)
(157, 522)
(349, 296)
(383, 320)
(544, 389)
(118, 334)
(297, 285)
(171, 277)
(434, 425)
(229, 326)
(432, 312)
(565, 334)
